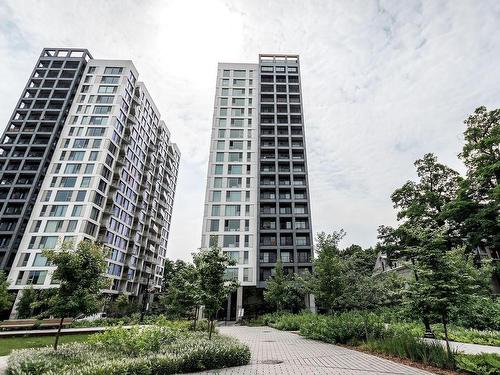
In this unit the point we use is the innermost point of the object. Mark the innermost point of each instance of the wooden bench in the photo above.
(17, 324)
(54, 323)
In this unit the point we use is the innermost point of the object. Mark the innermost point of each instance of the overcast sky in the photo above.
(384, 82)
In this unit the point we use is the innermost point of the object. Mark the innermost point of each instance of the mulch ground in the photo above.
(403, 361)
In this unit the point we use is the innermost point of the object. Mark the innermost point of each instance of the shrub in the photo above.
(140, 351)
(415, 349)
(480, 364)
(345, 328)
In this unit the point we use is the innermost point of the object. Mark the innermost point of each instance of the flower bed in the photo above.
(145, 351)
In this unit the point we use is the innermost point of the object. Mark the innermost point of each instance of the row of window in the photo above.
(230, 225)
(237, 73)
(235, 122)
(231, 182)
(235, 91)
(231, 196)
(278, 69)
(230, 210)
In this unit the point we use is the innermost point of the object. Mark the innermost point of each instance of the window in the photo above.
(231, 225)
(48, 242)
(58, 210)
(67, 182)
(292, 69)
(77, 211)
(225, 92)
(234, 182)
(40, 261)
(223, 101)
(234, 169)
(233, 196)
(280, 69)
(107, 89)
(233, 210)
(239, 101)
(231, 240)
(214, 225)
(219, 157)
(76, 155)
(231, 274)
(113, 70)
(85, 182)
(53, 226)
(222, 122)
(217, 182)
(235, 156)
(225, 82)
(219, 169)
(237, 122)
(216, 196)
(236, 145)
(246, 272)
(223, 112)
(108, 99)
(238, 112)
(236, 133)
(110, 80)
(215, 210)
(239, 73)
(239, 82)
(37, 277)
(266, 69)
(63, 196)
(222, 133)
(102, 109)
(238, 92)
(225, 73)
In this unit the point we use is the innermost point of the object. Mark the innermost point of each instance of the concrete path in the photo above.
(468, 348)
(279, 352)
(3, 363)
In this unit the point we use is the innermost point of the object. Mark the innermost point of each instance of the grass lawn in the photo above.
(10, 343)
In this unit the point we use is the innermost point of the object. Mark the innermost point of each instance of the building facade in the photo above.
(29, 140)
(257, 199)
(111, 179)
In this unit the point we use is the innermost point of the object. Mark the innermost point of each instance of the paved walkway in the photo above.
(469, 348)
(297, 355)
(3, 363)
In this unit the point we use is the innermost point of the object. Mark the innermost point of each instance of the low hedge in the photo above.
(144, 351)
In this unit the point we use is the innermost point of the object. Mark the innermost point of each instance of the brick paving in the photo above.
(303, 356)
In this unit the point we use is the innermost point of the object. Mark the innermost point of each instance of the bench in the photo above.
(17, 324)
(45, 323)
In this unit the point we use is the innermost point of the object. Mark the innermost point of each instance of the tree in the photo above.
(182, 296)
(80, 276)
(210, 266)
(447, 279)
(328, 282)
(475, 210)
(25, 305)
(5, 297)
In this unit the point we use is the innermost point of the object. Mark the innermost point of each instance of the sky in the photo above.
(383, 83)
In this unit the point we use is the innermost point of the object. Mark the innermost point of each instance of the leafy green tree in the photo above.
(80, 276)
(447, 279)
(25, 305)
(328, 282)
(210, 266)
(182, 297)
(5, 297)
(276, 288)
(475, 210)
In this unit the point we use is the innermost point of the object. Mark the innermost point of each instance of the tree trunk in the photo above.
(58, 333)
(210, 322)
(195, 317)
(443, 318)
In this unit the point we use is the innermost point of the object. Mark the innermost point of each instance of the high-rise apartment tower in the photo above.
(111, 179)
(257, 198)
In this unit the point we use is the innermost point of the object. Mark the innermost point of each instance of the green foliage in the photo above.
(343, 280)
(25, 303)
(286, 292)
(151, 350)
(480, 312)
(407, 346)
(5, 297)
(79, 273)
(181, 294)
(480, 364)
(210, 266)
(287, 321)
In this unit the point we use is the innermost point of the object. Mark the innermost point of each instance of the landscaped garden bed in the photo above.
(140, 350)
(368, 332)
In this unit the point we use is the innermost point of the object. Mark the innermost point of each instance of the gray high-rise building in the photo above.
(29, 140)
(110, 177)
(257, 198)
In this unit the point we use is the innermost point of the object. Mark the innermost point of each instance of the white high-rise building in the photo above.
(112, 179)
(257, 198)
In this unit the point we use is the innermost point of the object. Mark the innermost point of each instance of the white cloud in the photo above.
(383, 82)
